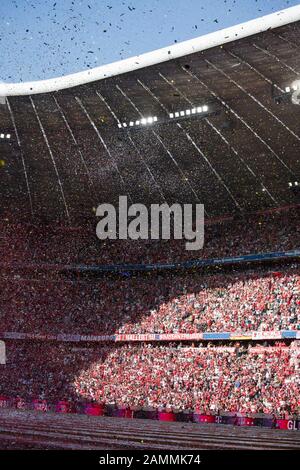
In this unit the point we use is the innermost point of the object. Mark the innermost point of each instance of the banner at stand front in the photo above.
(208, 336)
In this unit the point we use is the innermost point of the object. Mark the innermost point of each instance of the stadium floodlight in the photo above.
(293, 87)
(138, 122)
(296, 183)
(175, 114)
(2, 136)
(290, 93)
(290, 185)
(8, 136)
(189, 112)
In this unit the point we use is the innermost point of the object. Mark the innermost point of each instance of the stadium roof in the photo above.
(70, 143)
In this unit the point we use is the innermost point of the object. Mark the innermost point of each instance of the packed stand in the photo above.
(205, 379)
(29, 244)
(173, 303)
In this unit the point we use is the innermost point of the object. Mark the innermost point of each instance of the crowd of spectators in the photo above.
(206, 378)
(278, 231)
(181, 303)
(203, 379)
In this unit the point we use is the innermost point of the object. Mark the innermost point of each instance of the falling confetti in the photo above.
(44, 39)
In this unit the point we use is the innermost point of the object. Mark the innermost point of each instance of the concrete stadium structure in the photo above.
(213, 120)
(80, 140)
(50, 430)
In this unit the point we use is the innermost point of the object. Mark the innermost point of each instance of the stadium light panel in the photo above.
(188, 112)
(2, 136)
(151, 119)
(290, 93)
(288, 89)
